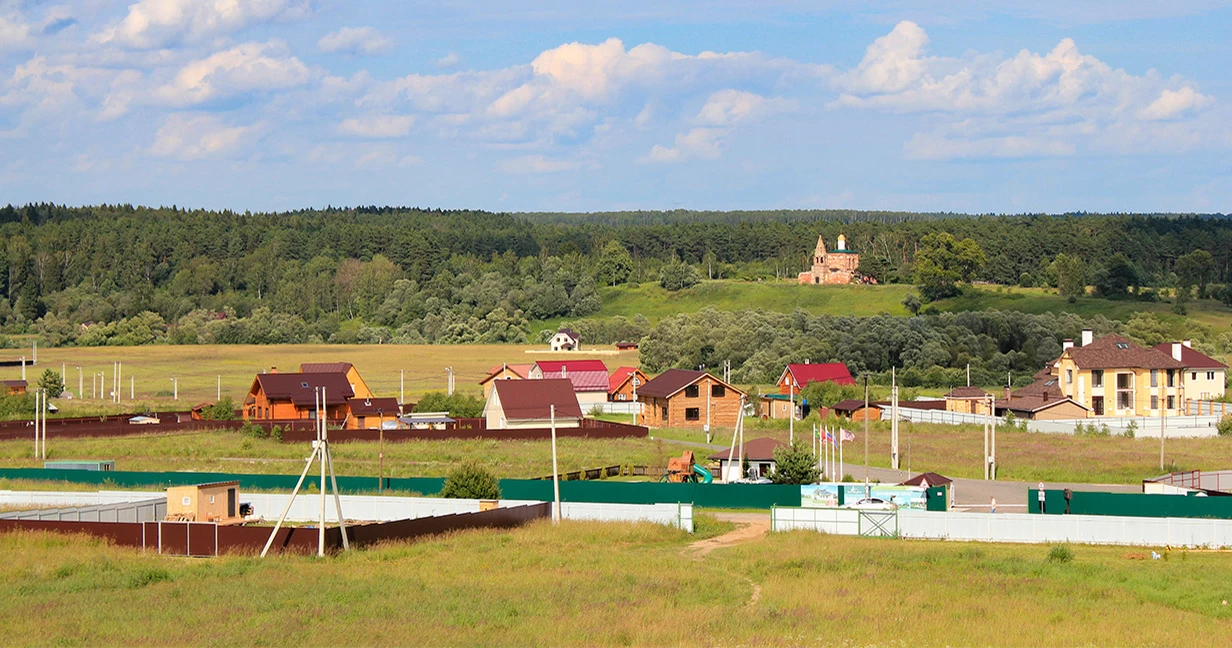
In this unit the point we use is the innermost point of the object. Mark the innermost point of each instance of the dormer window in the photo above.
(1122, 345)
(304, 385)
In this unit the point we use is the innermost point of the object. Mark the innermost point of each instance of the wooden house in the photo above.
(623, 382)
(504, 372)
(523, 404)
(14, 387)
(967, 400)
(358, 386)
(682, 398)
(372, 414)
(292, 396)
(213, 502)
(856, 411)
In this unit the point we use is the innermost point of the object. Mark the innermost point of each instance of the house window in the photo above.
(620, 396)
(1154, 378)
(1172, 402)
(1194, 375)
(360, 420)
(1210, 375)
(718, 391)
(1154, 402)
(1097, 378)
(1172, 378)
(1097, 404)
(1125, 391)
(692, 413)
(1069, 376)
(664, 413)
(691, 391)
(765, 469)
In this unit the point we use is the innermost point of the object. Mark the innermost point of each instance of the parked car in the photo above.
(873, 504)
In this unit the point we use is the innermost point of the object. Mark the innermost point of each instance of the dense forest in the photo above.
(118, 274)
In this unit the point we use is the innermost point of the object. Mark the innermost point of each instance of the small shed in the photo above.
(14, 387)
(212, 502)
(372, 413)
(856, 411)
(759, 453)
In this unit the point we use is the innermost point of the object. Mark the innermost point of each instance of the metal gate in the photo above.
(880, 524)
(180, 538)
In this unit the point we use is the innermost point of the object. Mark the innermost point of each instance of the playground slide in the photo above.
(703, 473)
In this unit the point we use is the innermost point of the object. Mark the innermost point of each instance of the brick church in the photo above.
(837, 266)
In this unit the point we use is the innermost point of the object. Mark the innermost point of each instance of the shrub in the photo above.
(53, 382)
(1225, 425)
(254, 431)
(1060, 554)
(471, 481)
(223, 410)
(794, 464)
(1131, 430)
(276, 433)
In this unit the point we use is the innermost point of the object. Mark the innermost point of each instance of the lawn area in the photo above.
(954, 451)
(233, 452)
(597, 584)
(1038, 300)
(198, 368)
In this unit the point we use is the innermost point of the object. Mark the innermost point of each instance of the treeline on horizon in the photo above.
(119, 274)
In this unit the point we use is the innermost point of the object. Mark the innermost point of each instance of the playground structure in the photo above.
(683, 469)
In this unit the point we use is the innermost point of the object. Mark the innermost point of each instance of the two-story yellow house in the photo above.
(1112, 376)
(1205, 377)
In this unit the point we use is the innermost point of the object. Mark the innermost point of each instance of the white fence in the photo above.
(1174, 426)
(620, 407)
(1020, 527)
(138, 511)
(375, 508)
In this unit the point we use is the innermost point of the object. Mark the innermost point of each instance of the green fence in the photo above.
(1131, 504)
(759, 496)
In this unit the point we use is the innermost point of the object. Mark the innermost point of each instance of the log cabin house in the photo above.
(682, 398)
(292, 396)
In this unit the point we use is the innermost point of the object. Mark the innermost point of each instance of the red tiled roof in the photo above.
(967, 392)
(298, 387)
(532, 399)
(586, 375)
(1116, 352)
(325, 367)
(835, 372)
(756, 450)
(1191, 358)
(373, 406)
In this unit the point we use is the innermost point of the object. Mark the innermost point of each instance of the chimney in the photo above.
(564, 371)
(1088, 336)
(1067, 344)
(273, 370)
(1188, 344)
(1176, 351)
(806, 361)
(1007, 392)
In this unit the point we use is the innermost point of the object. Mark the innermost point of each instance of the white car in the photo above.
(873, 504)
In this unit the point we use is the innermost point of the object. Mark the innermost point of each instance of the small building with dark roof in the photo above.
(856, 411)
(372, 414)
(527, 404)
(683, 398)
(292, 396)
(14, 387)
(759, 453)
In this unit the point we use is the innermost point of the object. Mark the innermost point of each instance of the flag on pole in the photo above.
(830, 437)
(848, 435)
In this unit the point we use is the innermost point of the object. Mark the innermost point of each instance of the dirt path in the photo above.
(749, 527)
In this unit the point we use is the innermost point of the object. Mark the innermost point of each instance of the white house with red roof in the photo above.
(1205, 377)
(589, 378)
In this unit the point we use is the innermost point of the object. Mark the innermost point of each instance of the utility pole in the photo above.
(401, 386)
(992, 417)
(23, 367)
(791, 414)
(132, 388)
(637, 407)
(449, 384)
(1163, 415)
(866, 481)
(708, 393)
(894, 418)
(81, 383)
(555, 470)
(175, 386)
(218, 397)
(380, 453)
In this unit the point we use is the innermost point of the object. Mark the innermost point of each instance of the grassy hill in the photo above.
(655, 303)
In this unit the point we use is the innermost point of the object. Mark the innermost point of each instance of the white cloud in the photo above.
(356, 40)
(934, 147)
(158, 23)
(377, 126)
(251, 67)
(1172, 103)
(537, 164)
(448, 61)
(198, 136)
(14, 33)
(727, 107)
(891, 64)
(361, 156)
(701, 143)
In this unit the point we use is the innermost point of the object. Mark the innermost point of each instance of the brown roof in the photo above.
(1116, 352)
(532, 399)
(851, 405)
(16, 383)
(932, 478)
(756, 450)
(1047, 386)
(298, 387)
(325, 367)
(1032, 403)
(520, 370)
(1191, 358)
(671, 381)
(967, 392)
(373, 406)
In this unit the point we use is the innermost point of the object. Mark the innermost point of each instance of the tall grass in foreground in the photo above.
(613, 584)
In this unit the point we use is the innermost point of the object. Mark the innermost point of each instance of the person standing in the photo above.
(1040, 497)
(992, 505)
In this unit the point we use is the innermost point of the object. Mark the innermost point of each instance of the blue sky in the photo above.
(991, 106)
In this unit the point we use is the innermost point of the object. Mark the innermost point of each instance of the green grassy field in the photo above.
(596, 584)
(1038, 300)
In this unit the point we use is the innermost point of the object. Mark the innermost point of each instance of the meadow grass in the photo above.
(600, 584)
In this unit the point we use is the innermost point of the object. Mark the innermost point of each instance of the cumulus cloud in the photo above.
(935, 147)
(251, 67)
(700, 143)
(158, 23)
(537, 164)
(1172, 103)
(722, 111)
(356, 40)
(14, 33)
(199, 136)
(449, 61)
(377, 126)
